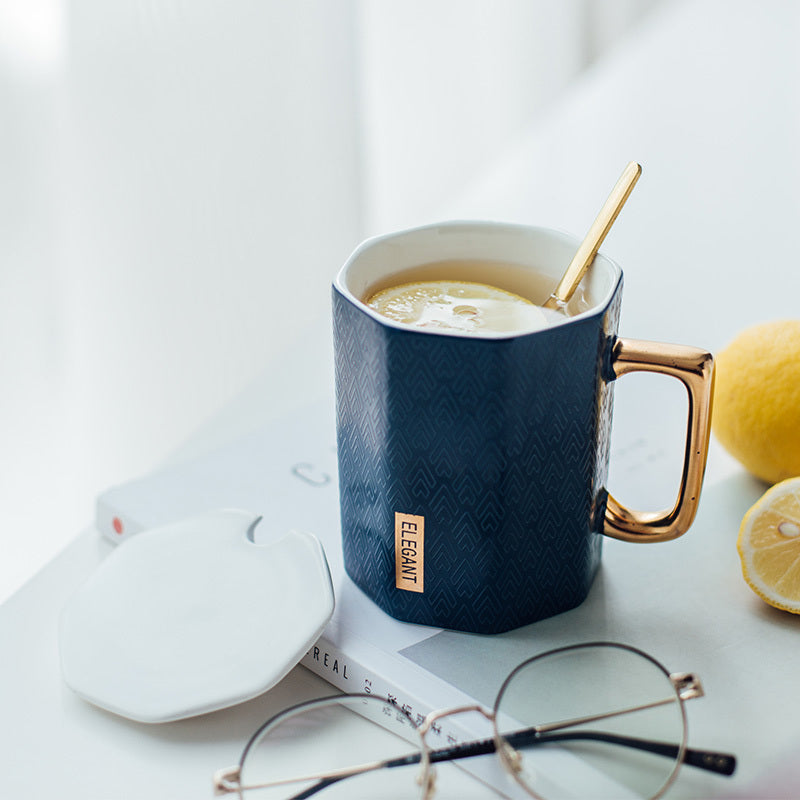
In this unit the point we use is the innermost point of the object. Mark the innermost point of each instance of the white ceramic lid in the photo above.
(194, 616)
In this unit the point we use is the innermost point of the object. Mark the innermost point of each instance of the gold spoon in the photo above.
(583, 258)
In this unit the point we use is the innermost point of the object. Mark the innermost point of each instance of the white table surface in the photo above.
(706, 99)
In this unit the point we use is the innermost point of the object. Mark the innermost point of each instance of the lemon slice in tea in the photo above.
(461, 306)
(769, 546)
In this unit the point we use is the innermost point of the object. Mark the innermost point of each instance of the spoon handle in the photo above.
(594, 238)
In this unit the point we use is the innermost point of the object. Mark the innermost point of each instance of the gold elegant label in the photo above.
(409, 552)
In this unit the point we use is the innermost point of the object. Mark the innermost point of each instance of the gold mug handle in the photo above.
(695, 369)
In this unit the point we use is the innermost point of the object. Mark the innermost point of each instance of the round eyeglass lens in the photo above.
(595, 720)
(354, 746)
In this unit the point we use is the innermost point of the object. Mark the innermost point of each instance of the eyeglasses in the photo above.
(599, 718)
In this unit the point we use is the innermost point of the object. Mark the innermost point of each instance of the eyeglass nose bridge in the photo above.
(435, 716)
(509, 757)
(428, 724)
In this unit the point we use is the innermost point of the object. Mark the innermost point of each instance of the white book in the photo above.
(287, 473)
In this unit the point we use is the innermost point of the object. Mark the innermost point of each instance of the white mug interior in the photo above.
(532, 261)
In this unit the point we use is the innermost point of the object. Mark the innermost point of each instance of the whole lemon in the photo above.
(757, 399)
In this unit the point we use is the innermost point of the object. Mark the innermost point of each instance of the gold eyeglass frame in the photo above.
(686, 686)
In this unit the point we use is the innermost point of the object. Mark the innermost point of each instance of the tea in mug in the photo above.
(463, 306)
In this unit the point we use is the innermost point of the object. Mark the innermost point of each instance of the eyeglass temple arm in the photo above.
(329, 780)
(317, 787)
(721, 763)
(709, 760)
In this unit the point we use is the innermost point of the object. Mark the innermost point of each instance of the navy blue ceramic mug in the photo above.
(472, 470)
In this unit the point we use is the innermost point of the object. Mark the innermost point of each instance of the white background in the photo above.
(180, 180)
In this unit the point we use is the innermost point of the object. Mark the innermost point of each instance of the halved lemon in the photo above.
(769, 546)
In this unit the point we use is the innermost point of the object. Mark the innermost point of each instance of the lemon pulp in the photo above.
(769, 546)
